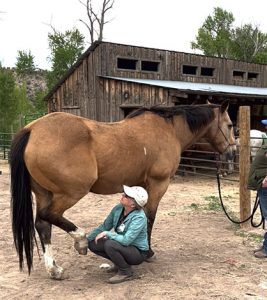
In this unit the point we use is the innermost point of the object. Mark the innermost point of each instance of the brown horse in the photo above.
(61, 157)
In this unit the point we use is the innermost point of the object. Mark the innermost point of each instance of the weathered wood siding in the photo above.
(85, 92)
(121, 96)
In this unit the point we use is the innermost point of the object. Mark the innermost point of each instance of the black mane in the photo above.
(197, 116)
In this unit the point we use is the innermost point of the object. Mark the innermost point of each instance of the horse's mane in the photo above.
(197, 116)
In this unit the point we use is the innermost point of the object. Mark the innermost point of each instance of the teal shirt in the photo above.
(134, 233)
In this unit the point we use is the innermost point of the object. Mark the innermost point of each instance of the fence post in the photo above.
(244, 163)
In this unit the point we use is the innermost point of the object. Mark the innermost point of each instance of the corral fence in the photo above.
(208, 163)
(5, 142)
(6, 137)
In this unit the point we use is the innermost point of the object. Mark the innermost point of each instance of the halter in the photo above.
(227, 140)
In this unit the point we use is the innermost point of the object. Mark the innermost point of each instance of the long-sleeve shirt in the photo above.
(134, 230)
(258, 169)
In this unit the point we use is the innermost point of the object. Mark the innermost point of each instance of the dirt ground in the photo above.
(199, 253)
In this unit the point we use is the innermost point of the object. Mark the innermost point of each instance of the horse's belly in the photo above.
(114, 184)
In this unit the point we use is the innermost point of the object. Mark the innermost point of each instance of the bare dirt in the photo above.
(199, 253)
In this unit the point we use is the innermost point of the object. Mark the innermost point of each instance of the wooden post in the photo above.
(244, 164)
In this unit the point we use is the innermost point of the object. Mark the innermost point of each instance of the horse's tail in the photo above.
(21, 200)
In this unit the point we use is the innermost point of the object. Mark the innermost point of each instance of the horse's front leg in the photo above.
(156, 189)
(80, 240)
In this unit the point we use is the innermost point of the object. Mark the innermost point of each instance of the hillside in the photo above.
(34, 81)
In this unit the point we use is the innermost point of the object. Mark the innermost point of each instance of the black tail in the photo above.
(21, 200)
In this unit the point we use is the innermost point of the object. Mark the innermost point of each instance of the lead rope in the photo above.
(256, 204)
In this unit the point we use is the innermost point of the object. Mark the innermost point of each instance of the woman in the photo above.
(127, 244)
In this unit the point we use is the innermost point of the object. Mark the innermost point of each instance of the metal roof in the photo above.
(198, 87)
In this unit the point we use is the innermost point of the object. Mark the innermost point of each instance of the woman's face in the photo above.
(127, 201)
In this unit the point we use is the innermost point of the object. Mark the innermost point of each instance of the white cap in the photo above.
(138, 193)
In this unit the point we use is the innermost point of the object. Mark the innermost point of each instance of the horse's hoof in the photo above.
(82, 251)
(56, 273)
(81, 246)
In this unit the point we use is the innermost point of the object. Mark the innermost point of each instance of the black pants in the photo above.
(121, 256)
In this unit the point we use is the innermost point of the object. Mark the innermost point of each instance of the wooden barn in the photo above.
(109, 80)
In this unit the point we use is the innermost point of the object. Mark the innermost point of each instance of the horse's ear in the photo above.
(207, 102)
(224, 106)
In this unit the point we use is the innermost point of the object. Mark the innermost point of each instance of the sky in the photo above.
(163, 24)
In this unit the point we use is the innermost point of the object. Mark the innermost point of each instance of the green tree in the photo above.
(215, 36)
(25, 62)
(65, 49)
(218, 37)
(13, 102)
(249, 44)
(40, 104)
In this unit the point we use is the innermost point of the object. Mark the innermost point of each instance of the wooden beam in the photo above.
(244, 163)
(178, 94)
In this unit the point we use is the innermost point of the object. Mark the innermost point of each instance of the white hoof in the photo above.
(56, 272)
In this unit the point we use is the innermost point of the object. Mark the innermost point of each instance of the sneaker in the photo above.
(120, 278)
(260, 254)
(258, 249)
(113, 269)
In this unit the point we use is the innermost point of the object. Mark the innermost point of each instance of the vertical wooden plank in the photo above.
(244, 163)
(112, 100)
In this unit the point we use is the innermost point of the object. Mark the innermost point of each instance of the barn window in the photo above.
(152, 66)
(126, 63)
(207, 71)
(252, 76)
(238, 75)
(191, 70)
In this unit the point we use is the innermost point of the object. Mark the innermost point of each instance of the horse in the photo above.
(257, 139)
(62, 157)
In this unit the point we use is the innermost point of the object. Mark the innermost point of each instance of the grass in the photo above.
(194, 206)
(250, 236)
(213, 204)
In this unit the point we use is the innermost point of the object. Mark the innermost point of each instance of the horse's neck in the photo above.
(185, 136)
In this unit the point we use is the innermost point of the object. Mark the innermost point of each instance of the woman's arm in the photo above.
(138, 223)
(105, 226)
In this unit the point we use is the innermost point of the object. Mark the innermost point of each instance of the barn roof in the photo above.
(199, 87)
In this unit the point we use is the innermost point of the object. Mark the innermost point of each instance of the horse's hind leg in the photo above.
(44, 230)
(48, 213)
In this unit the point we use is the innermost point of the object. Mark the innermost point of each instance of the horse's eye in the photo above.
(230, 126)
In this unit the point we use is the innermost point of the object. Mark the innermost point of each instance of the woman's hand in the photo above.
(264, 183)
(100, 236)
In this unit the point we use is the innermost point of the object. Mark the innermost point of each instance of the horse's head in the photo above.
(221, 132)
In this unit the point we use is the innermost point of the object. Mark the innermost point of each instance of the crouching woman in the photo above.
(122, 237)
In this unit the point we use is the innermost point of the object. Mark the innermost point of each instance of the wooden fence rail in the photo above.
(5, 142)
